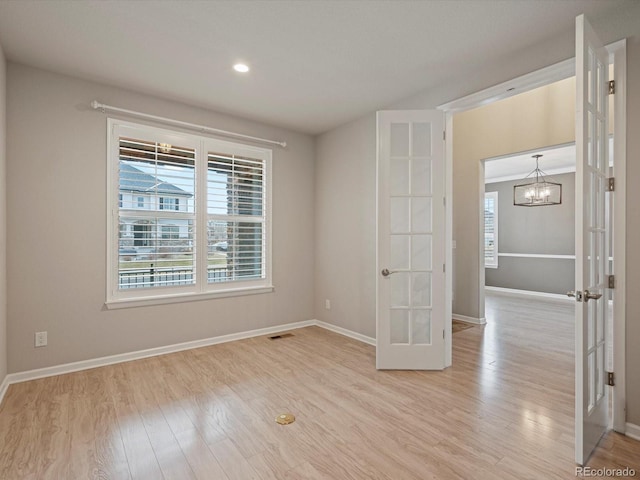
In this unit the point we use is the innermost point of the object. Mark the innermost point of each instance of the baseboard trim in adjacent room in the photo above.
(152, 352)
(347, 333)
(4, 386)
(632, 431)
(474, 320)
(529, 293)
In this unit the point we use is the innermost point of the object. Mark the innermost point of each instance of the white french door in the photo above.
(592, 248)
(410, 284)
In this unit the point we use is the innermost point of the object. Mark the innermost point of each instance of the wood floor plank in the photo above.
(200, 458)
(504, 410)
(141, 458)
(235, 466)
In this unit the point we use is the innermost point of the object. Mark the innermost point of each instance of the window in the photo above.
(491, 229)
(169, 203)
(190, 216)
(170, 232)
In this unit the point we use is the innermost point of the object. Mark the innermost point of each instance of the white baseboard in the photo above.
(528, 293)
(152, 352)
(632, 431)
(347, 333)
(3, 387)
(474, 320)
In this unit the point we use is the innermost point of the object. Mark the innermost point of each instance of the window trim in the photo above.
(493, 264)
(201, 289)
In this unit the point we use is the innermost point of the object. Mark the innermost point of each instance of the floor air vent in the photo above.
(278, 337)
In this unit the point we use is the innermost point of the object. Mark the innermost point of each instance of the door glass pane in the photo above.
(591, 323)
(399, 289)
(599, 144)
(600, 202)
(421, 252)
(400, 214)
(592, 261)
(421, 176)
(591, 362)
(600, 373)
(421, 289)
(602, 304)
(421, 214)
(589, 204)
(590, 79)
(400, 248)
(599, 86)
(399, 324)
(399, 176)
(590, 135)
(602, 258)
(421, 327)
(421, 139)
(399, 139)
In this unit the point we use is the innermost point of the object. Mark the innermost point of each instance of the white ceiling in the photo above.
(315, 64)
(554, 161)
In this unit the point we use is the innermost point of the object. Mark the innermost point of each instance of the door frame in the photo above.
(545, 76)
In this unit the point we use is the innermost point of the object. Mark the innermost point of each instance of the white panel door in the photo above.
(592, 168)
(411, 238)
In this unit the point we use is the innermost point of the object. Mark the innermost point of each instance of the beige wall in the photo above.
(542, 117)
(351, 146)
(3, 220)
(57, 229)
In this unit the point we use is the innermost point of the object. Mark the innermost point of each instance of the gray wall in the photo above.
(632, 292)
(56, 175)
(346, 223)
(3, 218)
(349, 146)
(539, 230)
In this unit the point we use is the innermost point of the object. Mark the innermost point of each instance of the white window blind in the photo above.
(192, 214)
(236, 217)
(491, 229)
(155, 172)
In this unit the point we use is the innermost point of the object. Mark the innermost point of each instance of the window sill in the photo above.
(491, 266)
(183, 297)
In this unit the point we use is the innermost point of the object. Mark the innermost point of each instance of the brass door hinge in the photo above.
(611, 281)
(612, 87)
(611, 184)
(610, 379)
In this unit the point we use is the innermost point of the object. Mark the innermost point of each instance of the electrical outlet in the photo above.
(327, 304)
(41, 339)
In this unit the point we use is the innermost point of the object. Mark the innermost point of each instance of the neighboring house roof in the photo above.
(133, 179)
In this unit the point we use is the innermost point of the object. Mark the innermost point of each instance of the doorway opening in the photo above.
(471, 297)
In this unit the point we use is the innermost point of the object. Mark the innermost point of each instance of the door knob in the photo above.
(591, 296)
(575, 294)
(386, 272)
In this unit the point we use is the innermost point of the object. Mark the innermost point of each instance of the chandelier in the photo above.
(536, 190)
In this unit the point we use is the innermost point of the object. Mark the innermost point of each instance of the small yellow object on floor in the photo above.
(285, 419)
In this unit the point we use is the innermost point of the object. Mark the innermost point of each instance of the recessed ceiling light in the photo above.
(241, 67)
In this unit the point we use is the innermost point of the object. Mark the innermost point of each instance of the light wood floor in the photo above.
(504, 410)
